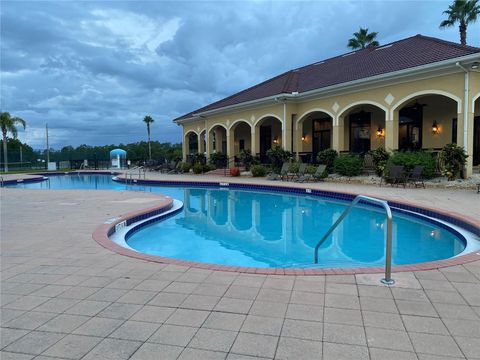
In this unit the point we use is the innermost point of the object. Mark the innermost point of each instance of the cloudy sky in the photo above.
(93, 70)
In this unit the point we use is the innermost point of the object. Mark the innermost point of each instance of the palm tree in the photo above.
(362, 39)
(464, 12)
(148, 120)
(7, 124)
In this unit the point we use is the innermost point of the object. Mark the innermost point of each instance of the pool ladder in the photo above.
(388, 249)
(133, 171)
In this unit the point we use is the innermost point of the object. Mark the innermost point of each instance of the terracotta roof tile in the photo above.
(407, 53)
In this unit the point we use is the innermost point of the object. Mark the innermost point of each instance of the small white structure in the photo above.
(118, 158)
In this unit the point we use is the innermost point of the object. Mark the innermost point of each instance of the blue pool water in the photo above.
(272, 229)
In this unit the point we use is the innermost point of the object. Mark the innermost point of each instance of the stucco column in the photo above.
(287, 134)
(230, 144)
(256, 140)
(199, 144)
(338, 135)
(391, 132)
(469, 147)
(296, 141)
(184, 148)
(253, 143)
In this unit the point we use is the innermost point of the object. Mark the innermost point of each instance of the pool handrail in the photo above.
(388, 249)
(133, 170)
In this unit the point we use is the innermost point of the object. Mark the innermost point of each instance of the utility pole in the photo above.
(48, 147)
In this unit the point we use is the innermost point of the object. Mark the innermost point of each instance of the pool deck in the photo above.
(65, 296)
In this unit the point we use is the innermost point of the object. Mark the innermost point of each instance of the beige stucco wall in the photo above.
(384, 102)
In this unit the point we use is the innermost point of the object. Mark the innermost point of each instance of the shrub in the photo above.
(235, 171)
(327, 157)
(348, 165)
(453, 158)
(185, 167)
(197, 168)
(207, 168)
(380, 157)
(258, 170)
(246, 158)
(278, 156)
(409, 159)
(218, 159)
(199, 158)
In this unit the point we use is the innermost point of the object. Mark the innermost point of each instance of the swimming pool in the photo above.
(271, 229)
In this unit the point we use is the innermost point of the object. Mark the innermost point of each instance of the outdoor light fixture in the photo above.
(475, 65)
(304, 137)
(275, 140)
(435, 128)
(380, 132)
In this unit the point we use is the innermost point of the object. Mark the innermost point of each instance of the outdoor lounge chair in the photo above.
(300, 172)
(395, 176)
(416, 177)
(177, 169)
(317, 176)
(283, 173)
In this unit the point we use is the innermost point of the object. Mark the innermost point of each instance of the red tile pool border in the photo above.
(102, 232)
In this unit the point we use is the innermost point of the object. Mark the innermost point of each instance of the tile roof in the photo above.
(407, 53)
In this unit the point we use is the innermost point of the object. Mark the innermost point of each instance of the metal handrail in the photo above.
(133, 170)
(388, 249)
(227, 166)
(1, 181)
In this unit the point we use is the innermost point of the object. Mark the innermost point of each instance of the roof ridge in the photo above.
(446, 42)
(357, 51)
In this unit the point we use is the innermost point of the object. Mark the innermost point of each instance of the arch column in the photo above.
(230, 144)
(184, 148)
(338, 134)
(253, 142)
(391, 130)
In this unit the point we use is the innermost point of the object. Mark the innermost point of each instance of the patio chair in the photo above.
(279, 176)
(395, 176)
(300, 172)
(478, 188)
(317, 176)
(416, 177)
(177, 169)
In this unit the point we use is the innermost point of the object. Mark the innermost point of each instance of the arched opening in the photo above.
(363, 128)
(315, 135)
(242, 137)
(268, 132)
(476, 132)
(427, 122)
(191, 139)
(218, 139)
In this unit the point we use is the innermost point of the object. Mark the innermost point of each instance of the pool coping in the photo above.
(102, 233)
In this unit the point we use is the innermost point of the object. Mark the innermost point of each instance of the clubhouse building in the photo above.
(412, 94)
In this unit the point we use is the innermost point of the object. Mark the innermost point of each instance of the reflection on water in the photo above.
(249, 228)
(275, 230)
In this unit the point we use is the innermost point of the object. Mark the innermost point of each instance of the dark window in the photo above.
(321, 135)
(360, 132)
(242, 144)
(410, 127)
(454, 130)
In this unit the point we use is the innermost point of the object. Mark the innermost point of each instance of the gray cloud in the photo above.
(93, 70)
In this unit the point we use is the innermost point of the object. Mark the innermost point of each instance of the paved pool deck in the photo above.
(65, 296)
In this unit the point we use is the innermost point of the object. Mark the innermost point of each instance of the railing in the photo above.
(1, 181)
(388, 249)
(133, 171)
(229, 161)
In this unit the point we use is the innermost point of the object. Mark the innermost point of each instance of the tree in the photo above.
(8, 125)
(362, 39)
(148, 120)
(463, 12)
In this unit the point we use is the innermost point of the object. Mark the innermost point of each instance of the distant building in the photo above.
(415, 93)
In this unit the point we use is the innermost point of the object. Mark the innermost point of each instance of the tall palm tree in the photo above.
(148, 120)
(8, 125)
(463, 12)
(362, 39)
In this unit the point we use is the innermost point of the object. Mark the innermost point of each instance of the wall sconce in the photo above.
(304, 137)
(380, 132)
(275, 140)
(435, 128)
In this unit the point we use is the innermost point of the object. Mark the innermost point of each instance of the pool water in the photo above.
(273, 229)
